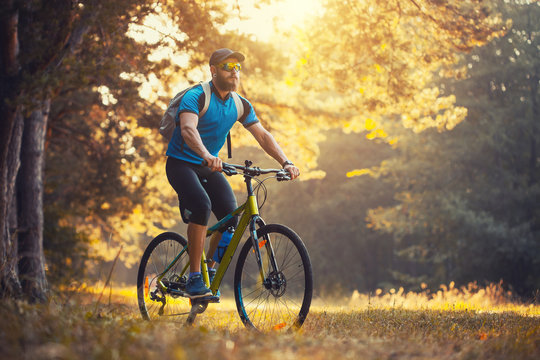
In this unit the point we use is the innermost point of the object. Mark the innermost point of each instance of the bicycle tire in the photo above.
(284, 304)
(158, 254)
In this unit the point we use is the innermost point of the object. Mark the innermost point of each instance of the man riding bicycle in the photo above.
(197, 140)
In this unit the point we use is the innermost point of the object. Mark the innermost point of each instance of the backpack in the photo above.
(170, 119)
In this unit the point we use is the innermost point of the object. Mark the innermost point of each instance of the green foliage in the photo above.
(468, 199)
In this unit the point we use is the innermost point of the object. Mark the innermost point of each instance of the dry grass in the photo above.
(466, 323)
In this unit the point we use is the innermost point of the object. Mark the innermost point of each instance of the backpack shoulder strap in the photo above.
(239, 112)
(239, 105)
(207, 95)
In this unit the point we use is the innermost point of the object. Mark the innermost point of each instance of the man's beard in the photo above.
(223, 85)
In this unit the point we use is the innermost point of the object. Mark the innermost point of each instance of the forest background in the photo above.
(414, 124)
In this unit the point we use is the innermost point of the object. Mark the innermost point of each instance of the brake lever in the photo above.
(283, 176)
(229, 171)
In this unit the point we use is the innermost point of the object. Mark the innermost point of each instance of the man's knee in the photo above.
(200, 215)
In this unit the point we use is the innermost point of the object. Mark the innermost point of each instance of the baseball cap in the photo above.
(222, 54)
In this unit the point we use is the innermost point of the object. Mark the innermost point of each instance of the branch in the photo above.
(462, 26)
(75, 39)
(424, 13)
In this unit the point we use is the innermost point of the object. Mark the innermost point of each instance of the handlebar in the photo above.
(247, 170)
(232, 169)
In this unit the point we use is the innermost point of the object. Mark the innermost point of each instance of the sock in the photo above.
(191, 274)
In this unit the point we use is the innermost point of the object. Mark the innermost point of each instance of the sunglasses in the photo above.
(230, 66)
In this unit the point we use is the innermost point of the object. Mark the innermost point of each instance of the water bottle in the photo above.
(223, 243)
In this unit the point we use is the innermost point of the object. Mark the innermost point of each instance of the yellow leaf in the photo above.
(370, 124)
(377, 133)
(381, 133)
(358, 172)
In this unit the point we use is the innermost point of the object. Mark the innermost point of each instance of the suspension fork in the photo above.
(257, 221)
(255, 245)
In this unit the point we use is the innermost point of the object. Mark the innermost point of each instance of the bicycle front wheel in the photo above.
(158, 301)
(282, 299)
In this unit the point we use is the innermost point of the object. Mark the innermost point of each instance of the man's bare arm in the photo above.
(271, 147)
(188, 126)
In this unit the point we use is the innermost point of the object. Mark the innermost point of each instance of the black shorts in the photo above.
(200, 191)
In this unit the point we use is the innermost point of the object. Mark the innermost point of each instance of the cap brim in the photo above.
(240, 57)
(236, 55)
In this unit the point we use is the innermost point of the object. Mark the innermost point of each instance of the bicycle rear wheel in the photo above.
(154, 302)
(281, 301)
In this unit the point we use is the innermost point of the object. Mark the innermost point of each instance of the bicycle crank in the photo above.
(198, 306)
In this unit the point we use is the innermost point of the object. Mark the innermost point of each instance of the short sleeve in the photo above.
(191, 101)
(249, 117)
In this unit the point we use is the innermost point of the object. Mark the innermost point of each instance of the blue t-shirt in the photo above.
(213, 126)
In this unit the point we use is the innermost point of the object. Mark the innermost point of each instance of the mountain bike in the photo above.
(273, 280)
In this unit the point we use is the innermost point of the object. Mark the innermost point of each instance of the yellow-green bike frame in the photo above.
(278, 298)
(250, 217)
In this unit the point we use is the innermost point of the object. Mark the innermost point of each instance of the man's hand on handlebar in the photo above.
(293, 171)
(214, 163)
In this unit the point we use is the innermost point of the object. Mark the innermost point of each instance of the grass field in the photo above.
(466, 323)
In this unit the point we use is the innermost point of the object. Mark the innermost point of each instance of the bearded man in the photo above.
(197, 140)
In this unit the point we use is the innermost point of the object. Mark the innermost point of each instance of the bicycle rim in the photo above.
(282, 301)
(154, 303)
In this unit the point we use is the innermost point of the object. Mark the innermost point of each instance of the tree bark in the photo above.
(30, 205)
(11, 127)
(11, 122)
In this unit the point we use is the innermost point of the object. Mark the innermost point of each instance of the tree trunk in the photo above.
(30, 205)
(11, 127)
(12, 124)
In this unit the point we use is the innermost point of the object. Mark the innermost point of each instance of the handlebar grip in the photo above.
(229, 172)
(283, 176)
(225, 168)
(205, 163)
